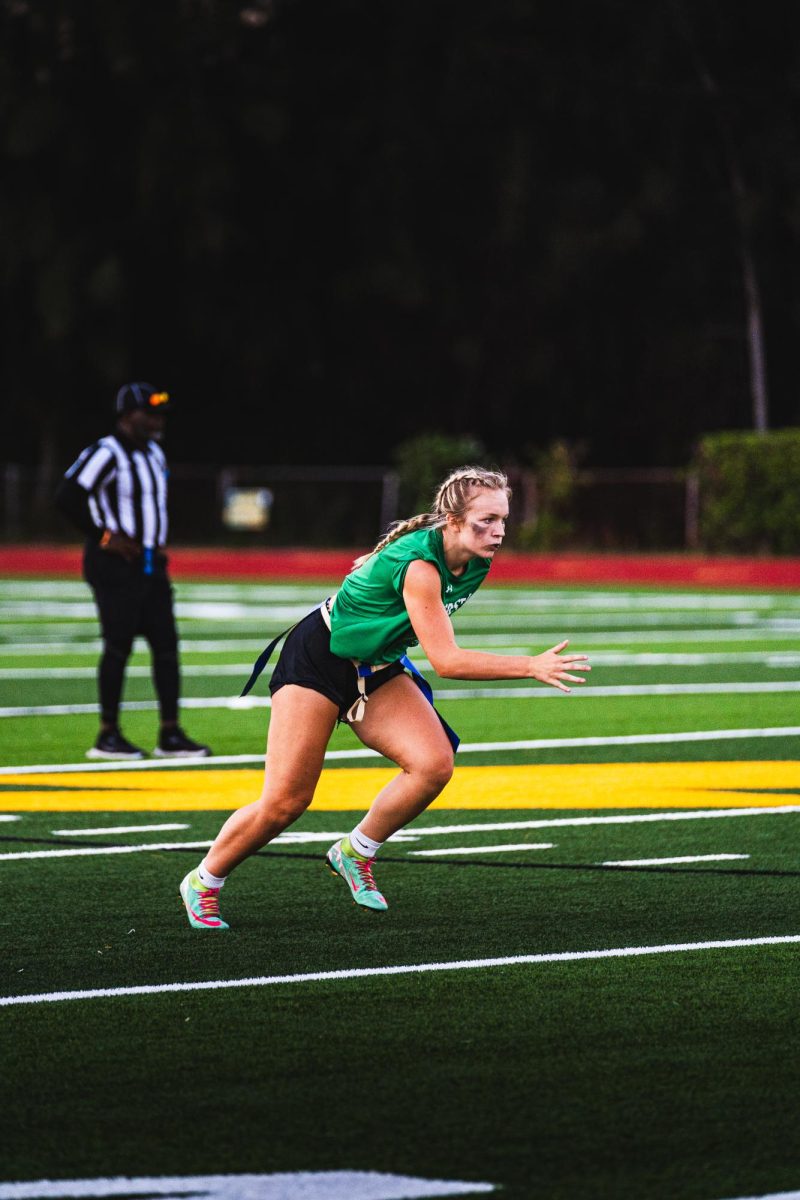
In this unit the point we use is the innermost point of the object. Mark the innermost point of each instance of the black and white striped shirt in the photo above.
(126, 488)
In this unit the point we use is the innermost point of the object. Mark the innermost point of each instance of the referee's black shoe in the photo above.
(111, 744)
(173, 743)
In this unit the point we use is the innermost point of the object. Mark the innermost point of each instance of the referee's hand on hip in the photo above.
(121, 544)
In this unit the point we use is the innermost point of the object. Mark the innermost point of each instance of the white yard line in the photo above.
(622, 689)
(634, 739)
(498, 693)
(279, 1185)
(486, 849)
(209, 610)
(778, 658)
(76, 710)
(772, 1196)
(97, 851)
(413, 834)
(299, 837)
(135, 672)
(604, 658)
(87, 645)
(93, 647)
(117, 829)
(144, 847)
(492, 595)
(143, 764)
(411, 969)
(657, 862)
(697, 814)
(265, 615)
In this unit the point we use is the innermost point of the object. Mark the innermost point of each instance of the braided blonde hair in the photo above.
(452, 498)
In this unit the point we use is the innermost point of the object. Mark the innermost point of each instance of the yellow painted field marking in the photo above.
(583, 785)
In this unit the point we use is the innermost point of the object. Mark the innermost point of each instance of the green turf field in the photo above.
(586, 983)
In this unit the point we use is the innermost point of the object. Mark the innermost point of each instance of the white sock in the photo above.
(364, 845)
(207, 879)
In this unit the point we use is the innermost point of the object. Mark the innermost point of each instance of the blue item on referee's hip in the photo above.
(147, 560)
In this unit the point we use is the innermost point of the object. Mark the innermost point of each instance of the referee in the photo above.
(116, 493)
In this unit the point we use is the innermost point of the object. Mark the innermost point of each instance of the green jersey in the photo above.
(369, 622)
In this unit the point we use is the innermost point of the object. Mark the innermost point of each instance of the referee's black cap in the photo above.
(142, 397)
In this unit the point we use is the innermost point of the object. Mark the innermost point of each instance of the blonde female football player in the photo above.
(346, 661)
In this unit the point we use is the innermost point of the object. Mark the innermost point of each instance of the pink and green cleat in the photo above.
(202, 904)
(357, 874)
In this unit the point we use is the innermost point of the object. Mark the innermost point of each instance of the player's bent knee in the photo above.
(284, 809)
(438, 772)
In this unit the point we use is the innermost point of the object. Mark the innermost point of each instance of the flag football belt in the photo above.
(363, 672)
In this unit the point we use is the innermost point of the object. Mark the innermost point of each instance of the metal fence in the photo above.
(343, 506)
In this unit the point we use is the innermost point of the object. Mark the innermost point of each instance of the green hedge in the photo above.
(749, 491)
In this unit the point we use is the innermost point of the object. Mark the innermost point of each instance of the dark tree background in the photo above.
(326, 227)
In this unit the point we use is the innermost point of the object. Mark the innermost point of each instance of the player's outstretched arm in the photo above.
(433, 627)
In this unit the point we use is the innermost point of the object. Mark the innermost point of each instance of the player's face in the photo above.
(484, 525)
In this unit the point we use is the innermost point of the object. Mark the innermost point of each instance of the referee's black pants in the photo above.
(131, 603)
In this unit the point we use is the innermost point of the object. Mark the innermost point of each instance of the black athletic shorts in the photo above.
(307, 661)
(130, 602)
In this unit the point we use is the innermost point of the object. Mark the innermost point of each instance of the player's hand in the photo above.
(124, 546)
(553, 667)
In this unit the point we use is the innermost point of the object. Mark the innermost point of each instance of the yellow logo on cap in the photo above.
(158, 398)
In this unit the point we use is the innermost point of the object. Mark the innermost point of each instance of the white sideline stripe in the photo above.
(633, 739)
(226, 591)
(142, 764)
(84, 646)
(690, 658)
(82, 614)
(205, 645)
(280, 1185)
(620, 689)
(630, 739)
(257, 614)
(472, 964)
(500, 693)
(115, 829)
(75, 710)
(288, 839)
(299, 838)
(134, 672)
(487, 849)
(772, 1196)
(701, 814)
(490, 596)
(687, 858)
(94, 851)
(216, 610)
(9, 817)
(605, 658)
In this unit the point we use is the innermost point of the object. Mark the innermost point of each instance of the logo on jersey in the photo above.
(452, 606)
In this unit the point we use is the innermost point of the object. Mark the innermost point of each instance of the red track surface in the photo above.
(198, 563)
